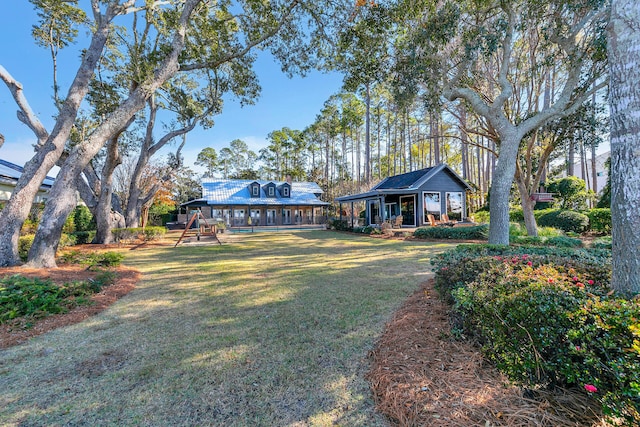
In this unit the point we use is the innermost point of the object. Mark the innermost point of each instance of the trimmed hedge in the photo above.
(568, 221)
(131, 234)
(479, 232)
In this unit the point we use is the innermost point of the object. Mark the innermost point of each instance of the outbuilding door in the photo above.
(408, 210)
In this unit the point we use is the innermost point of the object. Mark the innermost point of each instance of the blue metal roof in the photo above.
(11, 172)
(236, 192)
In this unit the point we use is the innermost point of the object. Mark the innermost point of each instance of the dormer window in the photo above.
(270, 189)
(285, 190)
(254, 189)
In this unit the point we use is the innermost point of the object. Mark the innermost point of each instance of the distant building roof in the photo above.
(236, 192)
(10, 173)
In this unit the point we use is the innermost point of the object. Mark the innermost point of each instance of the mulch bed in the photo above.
(15, 332)
(422, 376)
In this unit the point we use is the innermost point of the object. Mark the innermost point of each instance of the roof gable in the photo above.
(405, 180)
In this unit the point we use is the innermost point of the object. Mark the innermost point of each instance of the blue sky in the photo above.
(284, 102)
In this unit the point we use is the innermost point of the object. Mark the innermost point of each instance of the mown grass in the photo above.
(269, 330)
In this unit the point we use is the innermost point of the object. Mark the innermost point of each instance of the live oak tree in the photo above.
(50, 145)
(294, 31)
(472, 52)
(624, 100)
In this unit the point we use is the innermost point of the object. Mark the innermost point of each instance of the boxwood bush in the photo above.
(478, 232)
(565, 220)
(548, 318)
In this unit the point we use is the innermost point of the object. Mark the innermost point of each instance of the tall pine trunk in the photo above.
(624, 100)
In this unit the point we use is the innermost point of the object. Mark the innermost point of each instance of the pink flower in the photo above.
(580, 285)
(577, 348)
(529, 263)
(590, 388)
(590, 282)
(575, 279)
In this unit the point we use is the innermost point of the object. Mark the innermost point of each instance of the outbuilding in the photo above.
(414, 195)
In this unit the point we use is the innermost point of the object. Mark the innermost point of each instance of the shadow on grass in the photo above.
(270, 330)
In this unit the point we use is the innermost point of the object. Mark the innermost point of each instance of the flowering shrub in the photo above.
(548, 319)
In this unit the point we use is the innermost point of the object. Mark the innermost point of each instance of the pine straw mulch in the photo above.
(422, 376)
(16, 332)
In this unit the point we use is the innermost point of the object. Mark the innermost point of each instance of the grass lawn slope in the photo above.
(268, 329)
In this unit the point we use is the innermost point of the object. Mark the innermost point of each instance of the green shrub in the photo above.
(83, 219)
(36, 298)
(366, 229)
(563, 241)
(83, 237)
(340, 225)
(517, 229)
(479, 232)
(545, 319)
(565, 220)
(121, 235)
(549, 232)
(602, 243)
(516, 215)
(600, 220)
(153, 233)
(67, 240)
(24, 244)
(92, 259)
(481, 217)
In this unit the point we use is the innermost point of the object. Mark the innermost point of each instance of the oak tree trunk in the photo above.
(624, 100)
(17, 208)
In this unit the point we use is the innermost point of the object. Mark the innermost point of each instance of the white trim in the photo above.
(425, 220)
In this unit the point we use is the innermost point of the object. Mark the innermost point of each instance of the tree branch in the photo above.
(25, 113)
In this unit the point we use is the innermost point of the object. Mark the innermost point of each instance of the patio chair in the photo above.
(397, 223)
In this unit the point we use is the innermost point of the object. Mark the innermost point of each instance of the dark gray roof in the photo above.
(405, 180)
(236, 192)
(403, 183)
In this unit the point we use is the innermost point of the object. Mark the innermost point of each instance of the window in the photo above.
(285, 191)
(454, 206)
(431, 206)
(271, 191)
(255, 190)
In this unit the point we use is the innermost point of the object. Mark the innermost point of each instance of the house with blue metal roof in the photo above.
(414, 195)
(9, 175)
(238, 202)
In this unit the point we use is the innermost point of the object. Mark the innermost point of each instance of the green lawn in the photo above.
(270, 329)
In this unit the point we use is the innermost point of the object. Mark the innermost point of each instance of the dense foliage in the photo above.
(478, 232)
(36, 298)
(548, 317)
(139, 233)
(564, 220)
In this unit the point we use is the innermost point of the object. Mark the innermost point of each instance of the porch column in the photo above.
(351, 214)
